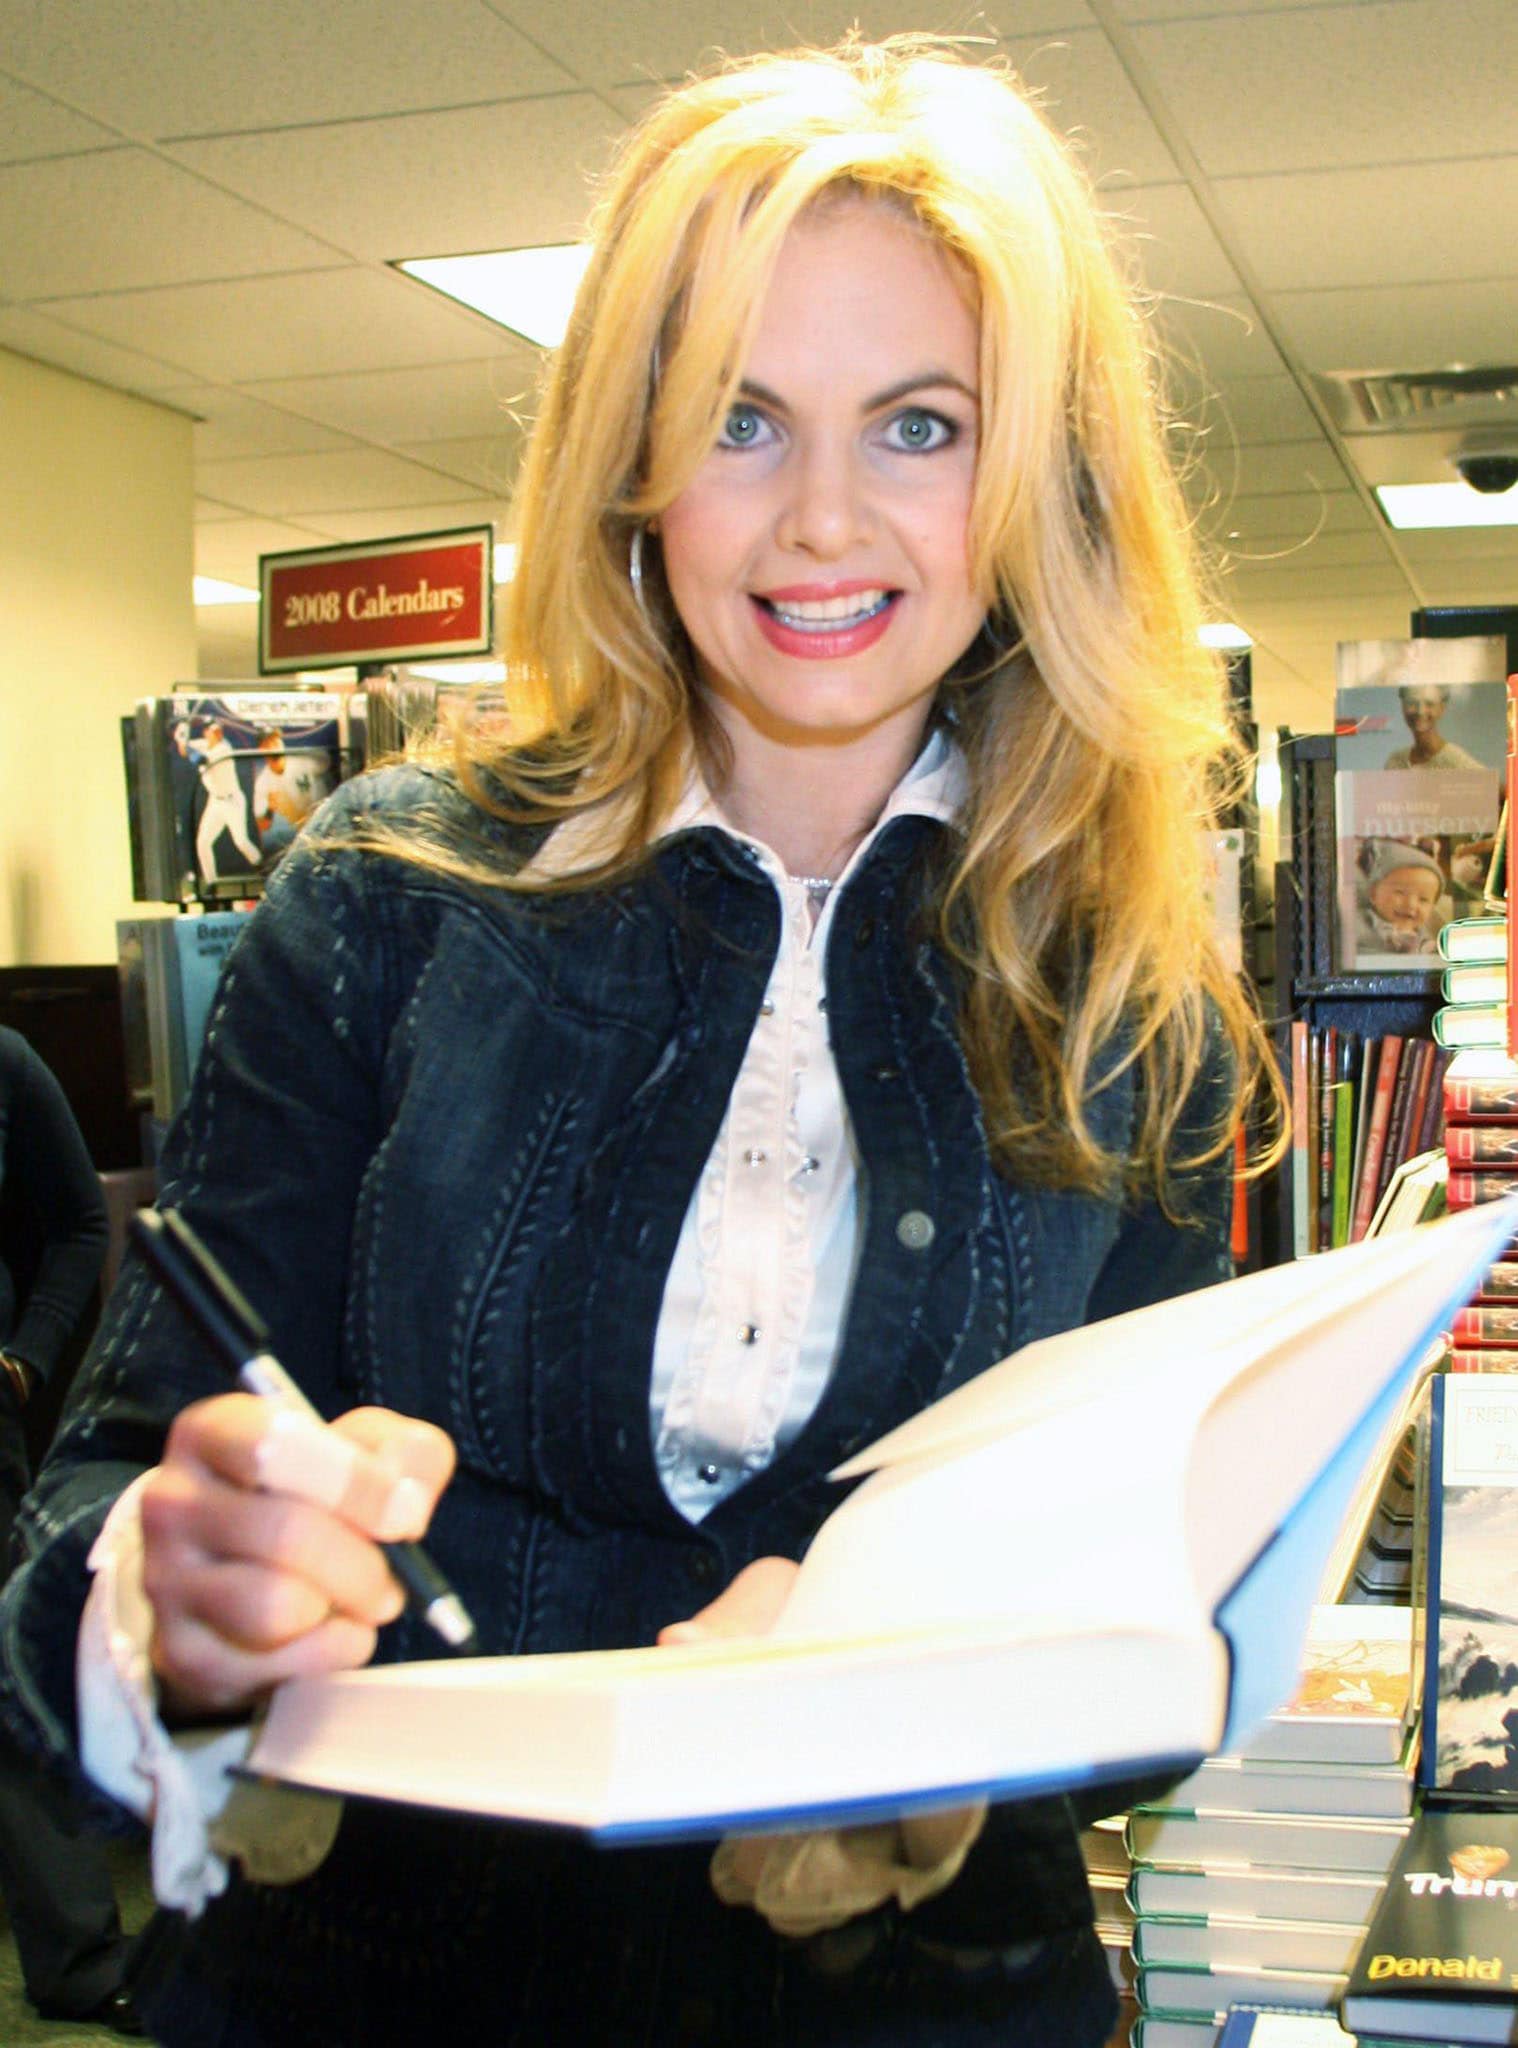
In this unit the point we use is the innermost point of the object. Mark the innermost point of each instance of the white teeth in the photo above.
(828, 611)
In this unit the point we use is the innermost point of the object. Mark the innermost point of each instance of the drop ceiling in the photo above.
(199, 203)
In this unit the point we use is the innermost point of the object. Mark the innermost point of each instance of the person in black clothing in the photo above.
(54, 1878)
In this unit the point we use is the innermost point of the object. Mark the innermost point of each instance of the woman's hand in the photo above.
(261, 1533)
(750, 1606)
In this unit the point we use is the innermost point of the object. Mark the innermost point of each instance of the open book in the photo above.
(1096, 1560)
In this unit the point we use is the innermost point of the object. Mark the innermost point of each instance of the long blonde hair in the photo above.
(1093, 722)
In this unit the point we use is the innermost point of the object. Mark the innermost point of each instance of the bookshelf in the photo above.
(1308, 984)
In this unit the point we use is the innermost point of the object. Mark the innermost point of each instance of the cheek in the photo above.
(699, 543)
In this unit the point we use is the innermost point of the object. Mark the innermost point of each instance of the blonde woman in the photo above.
(810, 1002)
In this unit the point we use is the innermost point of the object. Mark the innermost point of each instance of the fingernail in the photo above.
(405, 1511)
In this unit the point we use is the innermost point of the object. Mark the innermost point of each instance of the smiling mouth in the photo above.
(828, 614)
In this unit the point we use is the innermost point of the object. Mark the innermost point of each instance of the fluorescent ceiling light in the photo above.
(211, 590)
(1412, 505)
(531, 291)
(1225, 635)
(505, 563)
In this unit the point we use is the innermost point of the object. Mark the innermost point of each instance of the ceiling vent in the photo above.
(1459, 397)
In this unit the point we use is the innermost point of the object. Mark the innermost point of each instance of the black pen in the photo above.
(209, 1297)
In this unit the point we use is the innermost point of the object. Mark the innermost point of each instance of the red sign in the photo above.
(424, 594)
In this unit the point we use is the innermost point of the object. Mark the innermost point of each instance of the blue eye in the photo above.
(744, 427)
(917, 430)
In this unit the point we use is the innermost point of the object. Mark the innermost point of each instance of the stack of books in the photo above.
(1254, 1882)
(1473, 987)
(1360, 1109)
(1481, 1147)
(1108, 1870)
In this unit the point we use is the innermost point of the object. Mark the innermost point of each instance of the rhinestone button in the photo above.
(748, 1333)
(711, 1474)
(754, 1157)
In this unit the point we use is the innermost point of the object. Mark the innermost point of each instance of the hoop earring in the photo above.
(635, 564)
(1002, 633)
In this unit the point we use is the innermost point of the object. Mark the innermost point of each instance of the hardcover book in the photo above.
(1170, 1838)
(1440, 1960)
(909, 1667)
(1474, 981)
(1482, 1144)
(1468, 1186)
(1179, 1988)
(1224, 1941)
(1472, 1027)
(1474, 939)
(1420, 745)
(1344, 1898)
(1355, 1698)
(1246, 1784)
(1481, 1086)
(1246, 2028)
(1486, 1324)
(1470, 1723)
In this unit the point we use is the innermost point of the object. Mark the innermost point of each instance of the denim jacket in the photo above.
(445, 1138)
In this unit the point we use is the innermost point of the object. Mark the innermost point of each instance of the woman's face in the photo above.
(1422, 709)
(819, 559)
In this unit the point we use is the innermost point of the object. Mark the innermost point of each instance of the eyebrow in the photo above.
(924, 380)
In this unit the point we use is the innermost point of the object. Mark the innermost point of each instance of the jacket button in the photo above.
(703, 1568)
(887, 1074)
(915, 1229)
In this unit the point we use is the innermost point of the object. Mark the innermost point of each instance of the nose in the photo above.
(825, 511)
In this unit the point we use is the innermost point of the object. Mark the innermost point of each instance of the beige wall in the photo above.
(96, 610)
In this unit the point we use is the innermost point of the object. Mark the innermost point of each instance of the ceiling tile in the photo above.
(32, 125)
(1402, 327)
(230, 423)
(160, 67)
(1274, 582)
(1266, 469)
(285, 486)
(1363, 548)
(1432, 64)
(440, 402)
(1285, 519)
(36, 334)
(1190, 10)
(488, 461)
(641, 39)
(443, 184)
(1400, 223)
(1443, 545)
(1252, 409)
(1090, 97)
(255, 329)
(1222, 337)
(1177, 253)
(120, 220)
